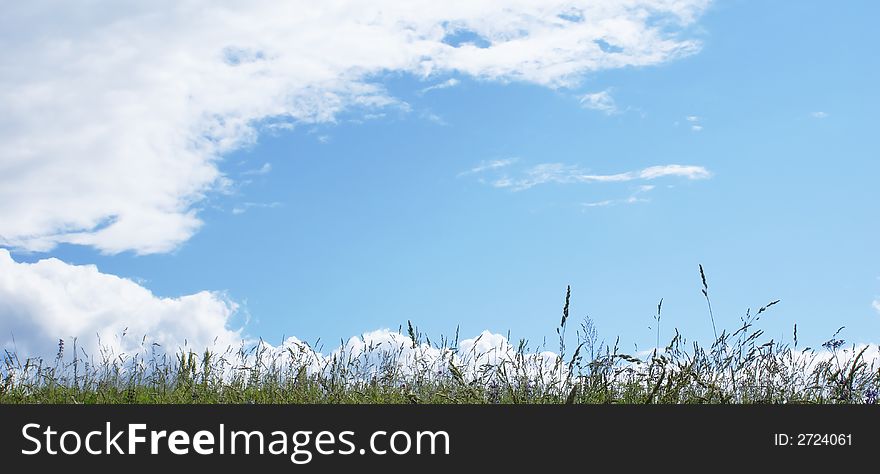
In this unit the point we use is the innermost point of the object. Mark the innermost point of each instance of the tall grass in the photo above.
(740, 366)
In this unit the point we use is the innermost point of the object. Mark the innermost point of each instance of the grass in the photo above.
(738, 367)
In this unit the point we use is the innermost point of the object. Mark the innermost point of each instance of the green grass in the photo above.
(738, 367)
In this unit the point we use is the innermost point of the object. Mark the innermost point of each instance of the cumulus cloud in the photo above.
(562, 173)
(601, 101)
(369, 354)
(876, 305)
(49, 300)
(114, 118)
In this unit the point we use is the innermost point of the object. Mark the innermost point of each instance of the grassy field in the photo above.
(739, 367)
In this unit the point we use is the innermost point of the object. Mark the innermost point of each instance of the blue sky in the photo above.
(407, 207)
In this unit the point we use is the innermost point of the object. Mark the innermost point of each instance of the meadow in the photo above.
(740, 367)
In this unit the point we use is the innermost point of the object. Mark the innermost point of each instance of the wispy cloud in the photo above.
(245, 206)
(452, 82)
(601, 101)
(434, 118)
(819, 115)
(876, 305)
(263, 170)
(489, 165)
(604, 203)
(637, 196)
(695, 121)
(561, 173)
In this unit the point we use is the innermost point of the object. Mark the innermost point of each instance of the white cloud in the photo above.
(245, 206)
(489, 165)
(876, 305)
(451, 82)
(601, 101)
(819, 115)
(115, 114)
(434, 118)
(263, 170)
(561, 173)
(365, 355)
(694, 120)
(685, 171)
(635, 197)
(544, 173)
(49, 300)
